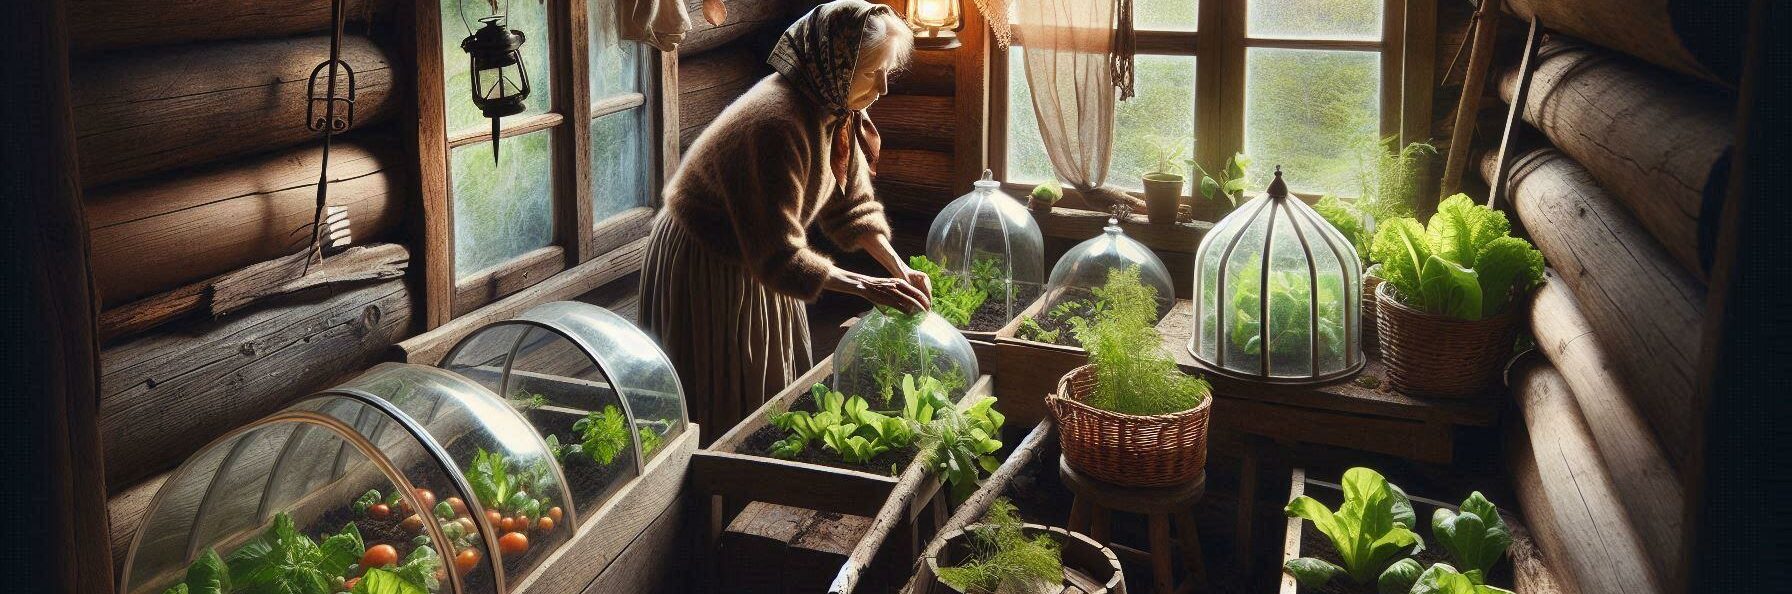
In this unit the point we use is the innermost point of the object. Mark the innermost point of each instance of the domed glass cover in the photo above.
(1307, 320)
(412, 456)
(882, 347)
(991, 244)
(1086, 266)
(596, 388)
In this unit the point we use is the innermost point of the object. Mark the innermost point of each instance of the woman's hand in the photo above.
(880, 249)
(891, 292)
(921, 281)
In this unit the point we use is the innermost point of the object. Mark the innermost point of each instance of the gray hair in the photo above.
(884, 27)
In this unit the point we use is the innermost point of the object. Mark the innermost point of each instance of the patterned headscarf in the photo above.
(818, 54)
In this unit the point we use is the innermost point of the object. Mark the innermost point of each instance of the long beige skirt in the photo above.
(734, 341)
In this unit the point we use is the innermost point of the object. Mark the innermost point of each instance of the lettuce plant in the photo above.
(603, 434)
(1475, 536)
(1371, 530)
(207, 575)
(1290, 303)
(1463, 264)
(953, 297)
(1443, 579)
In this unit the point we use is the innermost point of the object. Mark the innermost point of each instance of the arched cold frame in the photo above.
(990, 242)
(404, 456)
(882, 347)
(597, 389)
(1303, 308)
(1086, 267)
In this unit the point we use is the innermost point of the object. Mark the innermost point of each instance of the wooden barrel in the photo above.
(1089, 568)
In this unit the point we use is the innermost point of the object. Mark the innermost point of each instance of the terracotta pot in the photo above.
(1039, 206)
(1162, 192)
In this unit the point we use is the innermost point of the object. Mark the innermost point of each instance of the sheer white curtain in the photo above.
(1075, 53)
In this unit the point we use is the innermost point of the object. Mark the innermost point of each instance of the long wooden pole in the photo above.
(1486, 24)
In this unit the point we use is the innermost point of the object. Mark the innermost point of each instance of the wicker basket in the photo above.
(1440, 356)
(1371, 334)
(1128, 450)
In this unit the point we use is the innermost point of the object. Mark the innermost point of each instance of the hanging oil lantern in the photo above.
(935, 22)
(500, 81)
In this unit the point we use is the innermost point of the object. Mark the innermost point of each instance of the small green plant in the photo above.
(957, 438)
(844, 424)
(525, 401)
(960, 442)
(989, 276)
(1463, 264)
(1371, 530)
(603, 435)
(1031, 330)
(500, 487)
(889, 345)
(1047, 194)
(650, 441)
(1168, 154)
(953, 298)
(1441, 578)
(1228, 183)
(1003, 559)
(1475, 536)
(1132, 373)
(1290, 306)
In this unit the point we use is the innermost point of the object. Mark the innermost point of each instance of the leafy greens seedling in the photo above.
(1463, 264)
(1475, 536)
(1370, 531)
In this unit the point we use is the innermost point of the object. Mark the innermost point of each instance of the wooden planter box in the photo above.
(1029, 369)
(730, 479)
(1523, 570)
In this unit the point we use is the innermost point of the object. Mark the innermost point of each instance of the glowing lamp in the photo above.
(935, 22)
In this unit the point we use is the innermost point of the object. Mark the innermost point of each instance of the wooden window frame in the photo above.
(1407, 44)
(577, 238)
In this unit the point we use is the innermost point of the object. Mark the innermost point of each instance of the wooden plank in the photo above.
(668, 90)
(428, 124)
(709, 83)
(1626, 443)
(96, 25)
(511, 128)
(613, 530)
(1029, 370)
(125, 512)
(135, 115)
(572, 146)
(776, 548)
(757, 478)
(744, 18)
(970, 104)
(1481, 49)
(505, 279)
(295, 273)
(1645, 308)
(1421, 441)
(654, 563)
(1696, 38)
(924, 77)
(916, 167)
(429, 347)
(915, 122)
(1567, 493)
(899, 508)
(1418, 72)
(164, 395)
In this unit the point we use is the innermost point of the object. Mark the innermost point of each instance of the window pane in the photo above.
(1164, 15)
(1162, 111)
(529, 17)
(1307, 111)
(616, 65)
(1328, 19)
(502, 211)
(620, 163)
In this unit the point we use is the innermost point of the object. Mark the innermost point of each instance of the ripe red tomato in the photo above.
(513, 543)
(466, 559)
(459, 507)
(545, 524)
(379, 511)
(379, 556)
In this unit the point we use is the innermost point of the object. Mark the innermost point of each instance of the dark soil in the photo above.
(590, 481)
(993, 314)
(760, 443)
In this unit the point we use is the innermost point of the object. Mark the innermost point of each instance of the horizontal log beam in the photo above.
(95, 25)
(743, 18)
(1694, 37)
(1646, 310)
(916, 122)
(1626, 443)
(1660, 143)
(141, 113)
(157, 235)
(708, 83)
(1570, 502)
(164, 395)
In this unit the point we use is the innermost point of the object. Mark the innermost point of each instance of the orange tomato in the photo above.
(379, 511)
(426, 498)
(513, 543)
(554, 512)
(412, 523)
(466, 559)
(459, 507)
(506, 524)
(379, 556)
(545, 524)
(492, 516)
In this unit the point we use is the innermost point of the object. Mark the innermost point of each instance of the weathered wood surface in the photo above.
(608, 535)
(1695, 37)
(657, 562)
(164, 395)
(115, 24)
(708, 83)
(1644, 308)
(140, 113)
(910, 495)
(915, 122)
(154, 236)
(1626, 442)
(924, 77)
(297, 272)
(1570, 501)
(972, 508)
(778, 548)
(1659, 142)
(743, 18)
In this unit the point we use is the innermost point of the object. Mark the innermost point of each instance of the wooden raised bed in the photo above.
(1029, 369)
(1523, 570)
(972, 508)
(729, 478)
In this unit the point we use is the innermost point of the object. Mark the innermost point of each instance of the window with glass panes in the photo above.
(576, 170)
(1301, 83)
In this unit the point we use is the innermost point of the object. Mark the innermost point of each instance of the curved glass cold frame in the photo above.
(1308, 319)
(990, 241)
(599, 391)
(881, 348)
(405, 456)
(1086, 267)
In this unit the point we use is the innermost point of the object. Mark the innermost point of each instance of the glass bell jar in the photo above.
(598, 390)
(406, 473)
(989, 244)
(1085, 268)
(885, 345)
(1303, 309)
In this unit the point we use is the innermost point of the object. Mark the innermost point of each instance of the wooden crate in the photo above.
(1029, 370)
(1530, 574)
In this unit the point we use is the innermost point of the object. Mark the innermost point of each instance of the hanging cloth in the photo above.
(818, 55)
(659, 23)
(1072, 69)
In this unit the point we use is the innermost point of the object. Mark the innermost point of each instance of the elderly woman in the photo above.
(729, 264)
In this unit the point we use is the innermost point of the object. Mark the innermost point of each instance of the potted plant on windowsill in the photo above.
(1389, 184)
(1044, 196)
(1449, 301)
(1131, 417)
(1221, 191)
(1163, 185)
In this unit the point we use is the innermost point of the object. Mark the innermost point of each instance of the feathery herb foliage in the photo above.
(1133, 375)
(1003, 559)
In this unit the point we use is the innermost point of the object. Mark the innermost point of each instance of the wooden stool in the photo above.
(1097, 500)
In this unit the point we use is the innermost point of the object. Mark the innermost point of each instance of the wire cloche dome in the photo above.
(991, 243)
(1303, 308)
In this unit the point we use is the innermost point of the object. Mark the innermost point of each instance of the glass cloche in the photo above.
(990, 244)
(885, 345)
(595, 387)
(1086, 266)
(406, 473)
(1309, 318)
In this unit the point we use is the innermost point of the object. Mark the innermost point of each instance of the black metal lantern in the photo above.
(500, 81)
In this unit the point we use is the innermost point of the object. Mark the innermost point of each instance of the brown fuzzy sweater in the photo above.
(756, 180)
